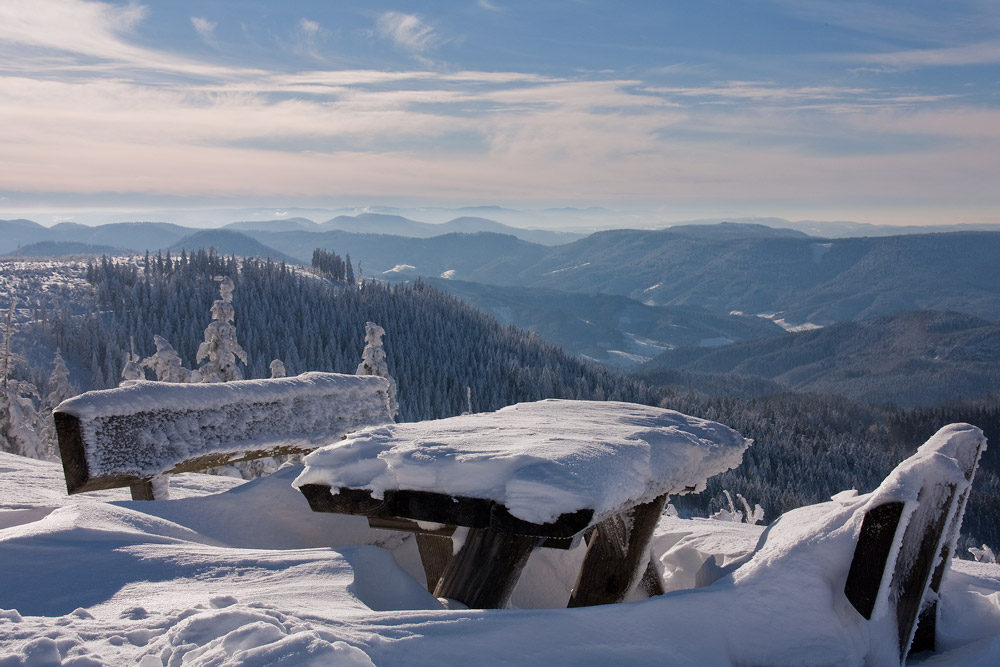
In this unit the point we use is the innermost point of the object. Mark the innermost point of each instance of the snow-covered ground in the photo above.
(228, 573)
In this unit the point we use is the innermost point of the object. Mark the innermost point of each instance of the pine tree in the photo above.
(277, 368)
(59, 390)
(19, 422)
(373, 362)
(220, 349)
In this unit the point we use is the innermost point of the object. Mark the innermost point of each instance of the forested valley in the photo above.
(448, 357)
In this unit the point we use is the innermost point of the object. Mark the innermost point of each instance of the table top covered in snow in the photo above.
(539, 461)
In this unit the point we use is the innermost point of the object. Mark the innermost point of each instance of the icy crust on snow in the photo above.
(146, 428)
(538, 459)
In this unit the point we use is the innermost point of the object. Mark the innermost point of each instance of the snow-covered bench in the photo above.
(534, 474)
(908, 537)
(130, 435)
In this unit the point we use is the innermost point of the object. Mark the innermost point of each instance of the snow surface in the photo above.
(249, 576)
(173, 422)
(539, 460)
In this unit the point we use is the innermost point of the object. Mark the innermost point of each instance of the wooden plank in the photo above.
(143, 490)
(484, 572)
(477, 513)
(435, 555)
(918, 552)
(616, 550)
(924, 637)
(871, 553)
(408, 526)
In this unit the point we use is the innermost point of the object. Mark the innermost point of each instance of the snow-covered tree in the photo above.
(220, 349)
(277, 368)
(19, 422)
(132, 370)
(59, 390)
(754, 516)
(166, 363)
(984, 555)
(373, 361)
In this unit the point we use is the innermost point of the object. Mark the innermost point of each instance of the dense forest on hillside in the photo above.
(436, 346)
(808, 447)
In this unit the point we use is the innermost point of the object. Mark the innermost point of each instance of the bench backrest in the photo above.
(129, 435)
(908, 536)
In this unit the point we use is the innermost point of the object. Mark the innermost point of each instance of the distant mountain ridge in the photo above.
(909, 358)
(752, 269)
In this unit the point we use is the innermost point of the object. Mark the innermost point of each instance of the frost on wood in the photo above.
(539, 460)
(373, 361)
(148, 428)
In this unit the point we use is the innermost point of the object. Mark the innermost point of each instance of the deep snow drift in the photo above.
(249, 576)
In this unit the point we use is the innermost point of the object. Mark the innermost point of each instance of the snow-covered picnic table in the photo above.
(532, 474)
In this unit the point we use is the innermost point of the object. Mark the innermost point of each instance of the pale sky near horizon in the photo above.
(881, 112)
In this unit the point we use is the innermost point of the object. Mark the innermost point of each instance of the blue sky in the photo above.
(881, 112)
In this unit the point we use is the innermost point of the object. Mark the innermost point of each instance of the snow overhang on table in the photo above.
(540, 460)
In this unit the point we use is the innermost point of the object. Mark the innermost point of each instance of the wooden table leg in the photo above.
(616, 550)
(435, 554)
(482, 575)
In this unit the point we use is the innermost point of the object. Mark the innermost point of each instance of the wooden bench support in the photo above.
(143, 490)
(878, 530)
(483, 573)
(435, 554)
(924, 553)
(924, 637)
(616, 550)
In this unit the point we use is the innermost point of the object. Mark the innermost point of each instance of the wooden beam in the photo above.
(878, 531)
(443, 508)
(484, 572)
(436, 553)
(617, 548)
(924, 638)
(143, 490)
(918, 552)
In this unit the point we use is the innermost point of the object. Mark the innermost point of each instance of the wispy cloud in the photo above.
(407, 31)
(983, 53)
(205, 29)
(307, 35)
(489, 6)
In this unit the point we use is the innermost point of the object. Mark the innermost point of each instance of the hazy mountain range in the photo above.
(622, 297)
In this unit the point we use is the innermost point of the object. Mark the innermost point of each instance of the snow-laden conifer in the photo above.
(132, 370)
(59, 390)
(19, 421)
(277, 368)
(166, 363)
(373, 362)
(220, 349)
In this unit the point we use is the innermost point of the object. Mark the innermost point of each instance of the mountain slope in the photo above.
(228, 242)
(612, 329)
(911, 358)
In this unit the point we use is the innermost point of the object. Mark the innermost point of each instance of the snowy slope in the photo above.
(249, 576)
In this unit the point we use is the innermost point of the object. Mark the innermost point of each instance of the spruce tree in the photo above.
(220, 349)
(373, 362)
